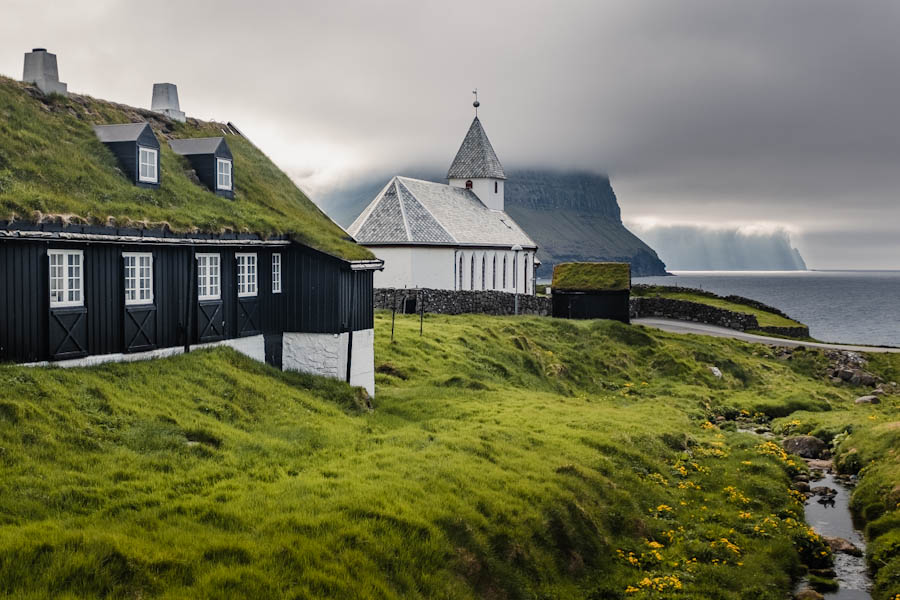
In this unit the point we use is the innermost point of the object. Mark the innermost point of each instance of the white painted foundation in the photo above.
(253, 346)
(326, 354)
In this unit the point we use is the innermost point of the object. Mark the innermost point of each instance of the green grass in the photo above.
(53, 166)
(765, 318)
(591, 276)
(506, 458)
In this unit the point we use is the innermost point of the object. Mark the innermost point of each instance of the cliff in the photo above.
(575, 217)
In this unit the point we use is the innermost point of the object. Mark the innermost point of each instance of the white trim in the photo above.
(64, 278)
(276, 273)
(204, 279)
(155, 155)
(220, 175)
(247, 286)
(138, 279)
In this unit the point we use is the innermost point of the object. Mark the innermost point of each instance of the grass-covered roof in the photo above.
(591, 277)
(52, 166)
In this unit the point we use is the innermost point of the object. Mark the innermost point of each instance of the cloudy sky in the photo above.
(763, 114)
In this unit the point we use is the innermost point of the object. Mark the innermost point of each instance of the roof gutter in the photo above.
(367, 265)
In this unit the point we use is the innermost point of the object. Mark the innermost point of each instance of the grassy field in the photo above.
(765, 318)
(506, 458)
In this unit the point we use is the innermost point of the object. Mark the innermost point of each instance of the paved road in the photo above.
(703, 329)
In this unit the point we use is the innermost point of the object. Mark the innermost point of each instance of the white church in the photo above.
(452, 236)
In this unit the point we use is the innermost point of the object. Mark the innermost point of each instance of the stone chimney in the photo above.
(165, 101)
(41, 70)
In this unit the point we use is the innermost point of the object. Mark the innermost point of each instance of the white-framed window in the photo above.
(246, 275)
(148, 164)
(138, 277)
(66, 278)
(209, 277)
(223, 174)
(276, 273)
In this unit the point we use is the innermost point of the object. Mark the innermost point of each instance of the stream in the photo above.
(834, 520)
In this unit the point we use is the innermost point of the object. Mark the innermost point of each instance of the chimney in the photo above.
(165, 101)
(40, 69)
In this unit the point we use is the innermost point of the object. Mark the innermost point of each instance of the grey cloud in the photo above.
(700, 111)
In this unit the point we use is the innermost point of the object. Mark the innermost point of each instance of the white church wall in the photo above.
(397, 267)
(484, 189)
(432, 268)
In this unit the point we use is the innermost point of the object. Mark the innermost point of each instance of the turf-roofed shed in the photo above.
(98, 267)
(591, 290)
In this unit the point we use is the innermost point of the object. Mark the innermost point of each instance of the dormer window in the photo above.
(149, 172)
(469, 184)
(223, 170)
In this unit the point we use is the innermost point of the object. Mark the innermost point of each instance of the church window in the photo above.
(496, 185)
(472, 273)
(460, 271)
(469, 184)
(483, 282)
(504, 272)
(494, 273)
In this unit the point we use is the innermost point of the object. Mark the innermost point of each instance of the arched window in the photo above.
(495, 187)
(525, 275)
(483, 272)
(460, 272)
(516, 272)
(472, 272)
(469, 184)
(494, 273)
(504, 271)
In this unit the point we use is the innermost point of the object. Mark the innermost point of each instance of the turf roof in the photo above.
(591, 277)
(52, 166)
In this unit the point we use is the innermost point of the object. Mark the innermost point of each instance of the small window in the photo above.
(496, 186)
(483, 272)
(246, 275)
(494, 273)
(138, 277)
(223, 170)
(469, 184)
(460, 272)
(276, 273)
(472, 272)
(504, 271)
(208, 277)
(66, 278)
(148, 165)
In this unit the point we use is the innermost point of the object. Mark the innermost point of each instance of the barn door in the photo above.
(139, 316)
(210, 309)
(249, 321)
(67, 323)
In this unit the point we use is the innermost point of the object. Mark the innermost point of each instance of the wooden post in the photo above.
(393, 314)
(421, 313)
(192, 289)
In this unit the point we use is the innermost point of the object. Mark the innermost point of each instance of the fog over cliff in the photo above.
(698, 248)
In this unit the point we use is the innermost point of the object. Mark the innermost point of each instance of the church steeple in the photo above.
(477, 167)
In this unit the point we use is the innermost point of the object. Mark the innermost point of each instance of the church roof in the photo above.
(415, 212)
(476, 156)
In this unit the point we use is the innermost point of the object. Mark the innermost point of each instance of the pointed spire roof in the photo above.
(476, 157)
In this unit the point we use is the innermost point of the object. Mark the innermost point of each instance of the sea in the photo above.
(853, 307)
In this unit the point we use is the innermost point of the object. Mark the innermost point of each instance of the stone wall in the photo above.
(683, 310)
(450, 302)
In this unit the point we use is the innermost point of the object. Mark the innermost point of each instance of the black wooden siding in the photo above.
(320, 294)
(592, 305)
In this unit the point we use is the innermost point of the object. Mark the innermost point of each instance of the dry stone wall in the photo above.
(451, 302)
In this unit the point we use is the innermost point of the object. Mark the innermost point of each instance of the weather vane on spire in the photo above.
(476, 104)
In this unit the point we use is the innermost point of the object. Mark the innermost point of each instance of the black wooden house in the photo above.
(591, 291)
(101, 289)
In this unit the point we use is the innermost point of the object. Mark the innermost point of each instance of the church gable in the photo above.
(385, 222)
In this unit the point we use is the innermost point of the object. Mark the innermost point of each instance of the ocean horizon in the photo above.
(855, 306)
